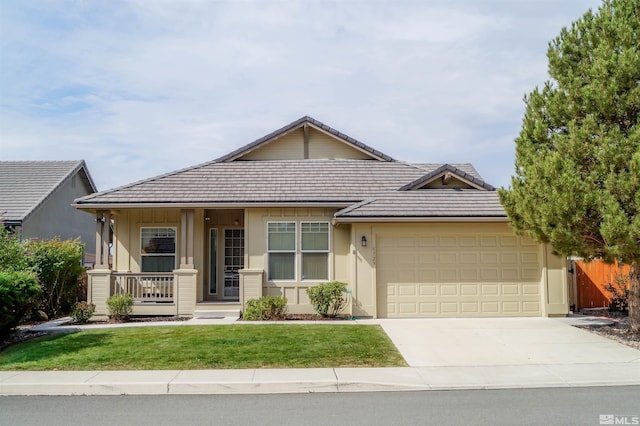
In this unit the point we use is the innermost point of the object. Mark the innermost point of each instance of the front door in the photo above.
(233, 262)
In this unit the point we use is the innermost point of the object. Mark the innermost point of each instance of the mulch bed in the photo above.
(620, 330)
(313, 317)
(20, 335)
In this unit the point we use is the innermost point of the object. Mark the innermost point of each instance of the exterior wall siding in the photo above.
(287, 147)
(529, 278)
(291, 147)
(322, 146)
(256, 255)
(127, 235)
(56, 218)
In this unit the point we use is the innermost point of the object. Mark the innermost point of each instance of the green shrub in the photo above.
(58, 265)
(18, 292)
(13, 252)
(328, 299)
(266, 308)
(120, 306)
(619, 292)
(82, 312)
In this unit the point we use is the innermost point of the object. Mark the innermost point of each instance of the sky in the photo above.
(141, 88)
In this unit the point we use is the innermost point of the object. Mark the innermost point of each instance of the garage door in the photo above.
(457, 275)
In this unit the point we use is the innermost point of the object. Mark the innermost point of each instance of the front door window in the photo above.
(233, 262)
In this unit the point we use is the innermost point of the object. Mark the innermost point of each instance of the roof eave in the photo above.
(210, 205)
(418, 219)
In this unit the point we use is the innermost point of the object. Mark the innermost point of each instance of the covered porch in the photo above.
(181, 262)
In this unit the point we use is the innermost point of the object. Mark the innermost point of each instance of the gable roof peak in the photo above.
(444, 170)
(304, 120)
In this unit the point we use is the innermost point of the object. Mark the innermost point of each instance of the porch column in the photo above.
(103, 227)
(250, 284)
(99, 290)
(186, 239)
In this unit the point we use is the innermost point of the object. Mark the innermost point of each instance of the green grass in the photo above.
(206, 347)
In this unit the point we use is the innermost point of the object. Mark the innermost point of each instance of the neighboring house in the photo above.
(307, 204)
(36, 198)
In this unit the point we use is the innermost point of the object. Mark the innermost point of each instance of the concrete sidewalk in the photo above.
(493, 353)
(314, 380)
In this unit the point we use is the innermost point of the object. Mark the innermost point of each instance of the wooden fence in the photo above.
(591, 280)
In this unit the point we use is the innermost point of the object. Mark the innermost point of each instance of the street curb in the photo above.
(277, 381)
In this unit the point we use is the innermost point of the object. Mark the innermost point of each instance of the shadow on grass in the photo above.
(51, 346)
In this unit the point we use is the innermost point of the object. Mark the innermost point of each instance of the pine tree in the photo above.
(577, 172)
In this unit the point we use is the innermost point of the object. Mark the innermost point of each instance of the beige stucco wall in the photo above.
(349, 261)
(256, 257)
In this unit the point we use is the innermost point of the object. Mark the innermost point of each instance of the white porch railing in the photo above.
(144, 287)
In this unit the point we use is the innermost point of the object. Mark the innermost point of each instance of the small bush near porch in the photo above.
(207, 347)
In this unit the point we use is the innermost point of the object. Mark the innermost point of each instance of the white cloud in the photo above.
(140, 88)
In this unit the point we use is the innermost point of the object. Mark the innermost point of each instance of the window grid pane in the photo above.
(315, 266)
(282, 266)
(282, 236)
(158, 263)
(315, 236)
(158, 249)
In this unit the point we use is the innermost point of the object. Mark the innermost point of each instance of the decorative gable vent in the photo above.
(448, 177)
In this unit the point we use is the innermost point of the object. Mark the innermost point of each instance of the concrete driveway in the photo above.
(502, 342)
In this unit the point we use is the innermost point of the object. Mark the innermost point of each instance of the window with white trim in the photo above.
(281, 249)
(286, 255)
(314, 247)
(157, 249)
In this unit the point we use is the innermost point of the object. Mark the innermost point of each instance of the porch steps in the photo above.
(217, 311)
(217, 314)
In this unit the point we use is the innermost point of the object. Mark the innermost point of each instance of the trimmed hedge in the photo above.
(18, 293)
(266, 308)
(328, 299)
(120, 306)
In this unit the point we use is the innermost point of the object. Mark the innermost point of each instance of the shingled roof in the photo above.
(432, 203)
(342, 182)
(362, 188)
(25, 185)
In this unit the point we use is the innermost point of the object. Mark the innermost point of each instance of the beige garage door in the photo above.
(457, 275)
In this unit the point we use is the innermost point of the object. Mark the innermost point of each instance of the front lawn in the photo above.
(206, 347)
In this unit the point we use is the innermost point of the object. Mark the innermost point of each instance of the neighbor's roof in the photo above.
(25, 185)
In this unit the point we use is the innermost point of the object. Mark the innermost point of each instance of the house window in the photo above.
(281, 248)
(314, 248)
(158, 249)
(311, 255)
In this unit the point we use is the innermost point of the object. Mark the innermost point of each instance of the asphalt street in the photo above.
(551, 406)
